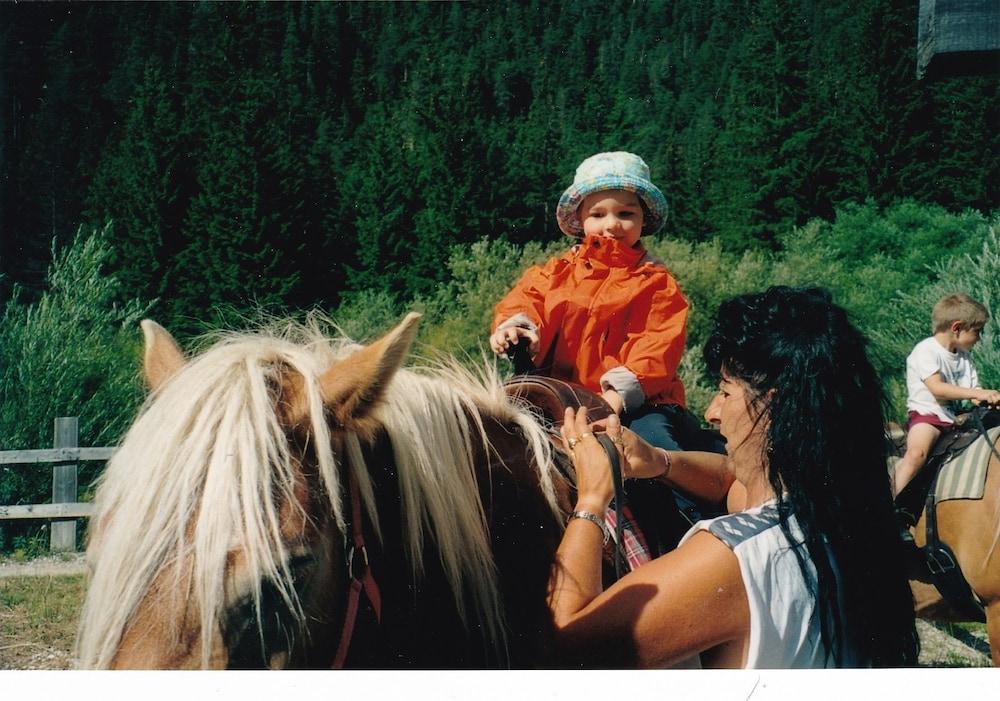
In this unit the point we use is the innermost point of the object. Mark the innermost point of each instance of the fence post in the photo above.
(67, 435)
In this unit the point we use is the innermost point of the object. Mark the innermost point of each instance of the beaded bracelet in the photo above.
(594, 519)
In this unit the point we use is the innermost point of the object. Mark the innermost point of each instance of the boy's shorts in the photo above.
(932, 419)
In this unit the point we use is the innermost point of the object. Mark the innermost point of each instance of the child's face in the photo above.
(967, 338)
(614, 214)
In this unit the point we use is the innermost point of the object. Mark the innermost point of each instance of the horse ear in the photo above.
(351, 388)
(163, 357)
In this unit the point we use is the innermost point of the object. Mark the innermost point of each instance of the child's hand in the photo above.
(505, 339)
(989, 396)
(614, 400)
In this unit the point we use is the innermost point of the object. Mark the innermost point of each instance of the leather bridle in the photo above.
(359, 575)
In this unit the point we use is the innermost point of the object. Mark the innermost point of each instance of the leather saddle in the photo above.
(548, 399)
(652, 503)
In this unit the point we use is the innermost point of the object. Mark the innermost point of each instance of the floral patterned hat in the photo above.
(615, 170)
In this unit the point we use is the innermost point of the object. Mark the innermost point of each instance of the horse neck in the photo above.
(420, 624)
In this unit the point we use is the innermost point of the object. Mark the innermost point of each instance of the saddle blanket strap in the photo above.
(633, 542)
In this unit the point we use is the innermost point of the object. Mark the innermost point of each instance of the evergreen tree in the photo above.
(139, 187)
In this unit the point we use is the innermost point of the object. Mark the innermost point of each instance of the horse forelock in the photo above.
(206, 467)
(202, 473)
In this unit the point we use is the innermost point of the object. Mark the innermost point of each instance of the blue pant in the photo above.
(672, 428)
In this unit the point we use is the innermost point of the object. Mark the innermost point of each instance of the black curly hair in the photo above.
(810, 377)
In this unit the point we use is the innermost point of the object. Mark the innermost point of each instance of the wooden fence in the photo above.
(64, 456)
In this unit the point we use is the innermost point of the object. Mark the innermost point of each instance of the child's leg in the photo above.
(655, 425)
(673, 428)
(919, 441)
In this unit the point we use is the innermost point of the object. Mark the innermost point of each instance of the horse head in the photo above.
(219, 531)
(242, 499)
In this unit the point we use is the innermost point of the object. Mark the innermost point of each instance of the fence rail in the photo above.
(64, 456)
(26, 457)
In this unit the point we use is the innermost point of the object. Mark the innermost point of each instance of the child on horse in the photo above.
(939, 374)
(606, 314)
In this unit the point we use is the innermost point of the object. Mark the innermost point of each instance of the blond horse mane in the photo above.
(204, 469)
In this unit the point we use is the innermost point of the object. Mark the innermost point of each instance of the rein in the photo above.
(620, 501)
(359, 576)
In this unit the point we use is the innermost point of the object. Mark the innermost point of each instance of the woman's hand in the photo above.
(594, 486)
(506, 338)
(642, 460)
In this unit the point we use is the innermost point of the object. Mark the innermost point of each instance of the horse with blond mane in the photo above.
(288, 500)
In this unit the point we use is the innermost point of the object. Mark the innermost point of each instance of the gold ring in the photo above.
(571, 442)
(617, 440)
(586, 435)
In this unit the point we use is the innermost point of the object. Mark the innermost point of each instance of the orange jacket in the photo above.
(607, 316)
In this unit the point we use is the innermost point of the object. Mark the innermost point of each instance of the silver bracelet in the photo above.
(669, 462)
(594, 519)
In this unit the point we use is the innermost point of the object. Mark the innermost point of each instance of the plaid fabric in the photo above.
(636, 550)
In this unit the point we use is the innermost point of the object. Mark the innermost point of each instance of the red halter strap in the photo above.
(359, 577)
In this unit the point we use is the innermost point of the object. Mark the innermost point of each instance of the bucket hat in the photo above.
(614, 170)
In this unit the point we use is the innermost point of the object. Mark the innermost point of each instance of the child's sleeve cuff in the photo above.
(626, 384)
(519, 320)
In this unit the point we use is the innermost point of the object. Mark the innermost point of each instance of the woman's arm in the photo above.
(701, 474)
(687, 601)
(681, 604)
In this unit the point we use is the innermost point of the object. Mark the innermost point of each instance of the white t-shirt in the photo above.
(927, 358)
(784, 617)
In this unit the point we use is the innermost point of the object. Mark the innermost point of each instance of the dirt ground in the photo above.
(40, 605)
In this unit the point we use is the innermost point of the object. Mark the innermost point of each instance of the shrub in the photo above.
(73, 352)
(459, 313)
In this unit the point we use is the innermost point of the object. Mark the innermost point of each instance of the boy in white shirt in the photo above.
(939, 373)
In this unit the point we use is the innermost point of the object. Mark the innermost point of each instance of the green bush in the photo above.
(73, 352)
(459, 313)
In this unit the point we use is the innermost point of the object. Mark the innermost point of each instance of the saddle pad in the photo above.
(964, 477)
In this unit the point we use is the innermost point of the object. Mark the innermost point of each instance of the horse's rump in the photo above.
(963, 531)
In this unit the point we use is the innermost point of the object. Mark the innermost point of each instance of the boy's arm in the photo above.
(614, 399)
(945, 392)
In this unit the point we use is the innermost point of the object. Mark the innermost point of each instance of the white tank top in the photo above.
(784, 621)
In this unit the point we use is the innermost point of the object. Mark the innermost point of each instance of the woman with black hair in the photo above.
(807, 569)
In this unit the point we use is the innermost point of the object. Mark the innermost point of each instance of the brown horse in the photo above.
(225, 522)
(971, 528)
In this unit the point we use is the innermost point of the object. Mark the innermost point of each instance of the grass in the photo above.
(39, 615)
(38, 619)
